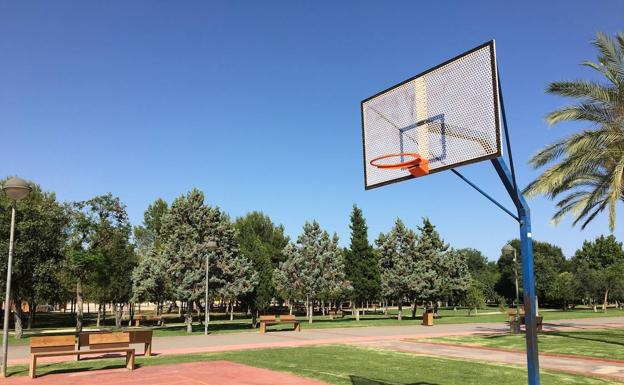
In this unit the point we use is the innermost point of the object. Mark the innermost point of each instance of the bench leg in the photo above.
(262, 327)
(33, 366)
(130, 360)
(298, 327)
(148, 349)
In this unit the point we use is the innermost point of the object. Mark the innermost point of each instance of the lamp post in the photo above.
(15, 189)
(510, 250)
(212, 246)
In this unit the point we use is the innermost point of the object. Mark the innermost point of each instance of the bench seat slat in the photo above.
(83, 352)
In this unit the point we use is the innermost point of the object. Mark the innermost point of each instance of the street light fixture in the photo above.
(510, 250)
(15, 189)
(211, 246)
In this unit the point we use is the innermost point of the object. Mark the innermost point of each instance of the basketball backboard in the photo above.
(449, 115)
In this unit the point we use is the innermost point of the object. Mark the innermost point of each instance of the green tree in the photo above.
(99, 253)
(287, 278)
(40, 234)
(314, 267)
(586, 169)
(482, 271)
(147, 235)
(187, 229)
(604, 256)
(150, 281)
(361, 262)
(473, 298)
(563, 289)
(263, 244)
(549, 261)
(399, 270)
(587, 284)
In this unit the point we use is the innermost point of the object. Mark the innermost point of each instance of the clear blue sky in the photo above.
(257, 103)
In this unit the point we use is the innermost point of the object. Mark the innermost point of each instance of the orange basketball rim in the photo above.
(416, 165)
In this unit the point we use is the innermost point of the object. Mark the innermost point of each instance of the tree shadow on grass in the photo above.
(49, 369)
(607, 338)
(355, 380)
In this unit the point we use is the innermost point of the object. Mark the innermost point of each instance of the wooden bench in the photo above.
(136, 337)
(158, 320)
(336, 314)
(268, 320)
(290, 319)
(102, 343)
(538, 319)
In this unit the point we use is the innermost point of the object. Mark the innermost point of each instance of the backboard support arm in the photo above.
(528, 274)
(488, 196)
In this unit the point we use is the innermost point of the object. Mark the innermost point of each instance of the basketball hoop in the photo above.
(416, 166)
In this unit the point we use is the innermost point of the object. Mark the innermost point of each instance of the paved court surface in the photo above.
(199, 373)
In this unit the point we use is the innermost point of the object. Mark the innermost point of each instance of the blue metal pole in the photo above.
(528, 274)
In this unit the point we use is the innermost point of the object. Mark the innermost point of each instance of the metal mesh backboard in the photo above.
(447, 114)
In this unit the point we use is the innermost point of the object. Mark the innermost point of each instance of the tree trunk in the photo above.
(131, 313)
(290, 308)
(18, 316)
(231, 311)
(310, 309)
(323, 307)
(79, 306)
(99, 312)
(604, 301)
(254, 318)
(118, 315)
(400, 315)
(32, 310)
(355, 311)
(414, 308)
(189, 318)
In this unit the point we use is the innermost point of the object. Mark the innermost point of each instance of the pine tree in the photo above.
(263, 244)
(430, 251)
(400, 277)
(313, 268)
(361, 262)
(186, 230)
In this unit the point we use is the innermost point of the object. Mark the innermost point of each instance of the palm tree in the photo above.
(586, 169)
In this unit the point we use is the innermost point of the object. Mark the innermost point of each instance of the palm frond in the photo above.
(586, 169)
(611, 58)
(591, 112)
(615, 193)
(592, 91)
(603, 70)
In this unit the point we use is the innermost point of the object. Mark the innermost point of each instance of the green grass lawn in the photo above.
(345, 365)
(220, 323)
(602, 343)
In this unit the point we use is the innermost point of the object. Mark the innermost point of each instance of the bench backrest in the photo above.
(52, 344)
(287, 318)
(84, 337)
(109, 340)
(140, 336)
(267, 318)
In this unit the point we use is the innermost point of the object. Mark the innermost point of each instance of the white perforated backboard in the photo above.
(447, 114)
